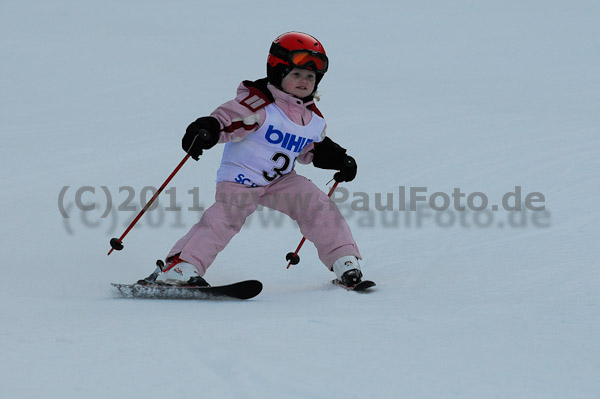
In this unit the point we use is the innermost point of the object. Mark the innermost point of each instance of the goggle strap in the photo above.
(279, 51)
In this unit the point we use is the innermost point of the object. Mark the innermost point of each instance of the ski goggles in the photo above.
(304, 59)
(308, 59)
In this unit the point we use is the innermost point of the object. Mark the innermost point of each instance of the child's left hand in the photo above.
(347, 171)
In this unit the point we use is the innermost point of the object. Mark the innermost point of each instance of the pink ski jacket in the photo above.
(245, 114)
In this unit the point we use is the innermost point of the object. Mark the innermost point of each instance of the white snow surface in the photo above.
(481, 96)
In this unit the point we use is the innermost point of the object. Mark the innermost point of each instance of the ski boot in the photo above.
(347, 271)
(179, 272)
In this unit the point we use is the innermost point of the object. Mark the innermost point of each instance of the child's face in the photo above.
(299, 82)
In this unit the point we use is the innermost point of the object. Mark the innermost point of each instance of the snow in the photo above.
(481, 96)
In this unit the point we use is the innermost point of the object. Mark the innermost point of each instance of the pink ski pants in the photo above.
(318, 217)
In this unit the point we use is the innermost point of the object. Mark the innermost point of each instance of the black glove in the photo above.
(330, 155)
(347, 171)
(201, 135)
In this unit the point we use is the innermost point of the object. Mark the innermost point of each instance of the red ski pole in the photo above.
(293, 257)
(117, 243)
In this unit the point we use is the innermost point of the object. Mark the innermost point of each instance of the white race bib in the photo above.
(270, 152)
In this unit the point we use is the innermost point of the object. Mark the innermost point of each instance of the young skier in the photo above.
(271, 123)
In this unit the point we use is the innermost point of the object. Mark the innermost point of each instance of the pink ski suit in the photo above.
(317, 215)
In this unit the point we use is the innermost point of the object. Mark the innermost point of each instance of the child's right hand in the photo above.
(201, 134)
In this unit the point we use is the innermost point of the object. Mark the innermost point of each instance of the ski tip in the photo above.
(364, 285)
(360, 287)
(249, 289)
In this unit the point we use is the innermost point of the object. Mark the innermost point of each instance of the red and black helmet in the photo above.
(295, 49)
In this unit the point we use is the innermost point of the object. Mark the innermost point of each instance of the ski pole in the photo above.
(117, 243)
(293, 257)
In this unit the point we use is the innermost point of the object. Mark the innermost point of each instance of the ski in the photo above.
(241, 290)
(362, 286)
